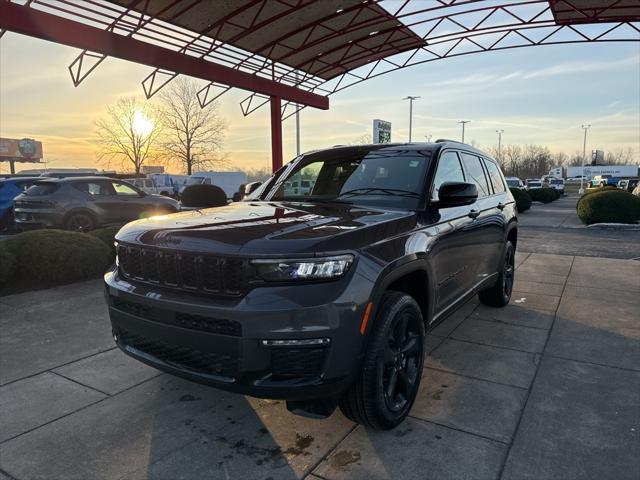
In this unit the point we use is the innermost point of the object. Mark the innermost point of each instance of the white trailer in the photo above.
(228, 181)
(591, 171)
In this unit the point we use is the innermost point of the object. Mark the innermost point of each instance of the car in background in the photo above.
(62, 174)
(628, 184)
(84, 203)
(168, 184)
(147, 185)
(10, 188)
(557, 184)
(514, 182)
(531, 184)
(636, 191)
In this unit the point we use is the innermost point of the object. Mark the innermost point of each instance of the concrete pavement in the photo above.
(546, 388)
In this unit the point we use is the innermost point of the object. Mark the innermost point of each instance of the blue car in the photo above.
(10, 188)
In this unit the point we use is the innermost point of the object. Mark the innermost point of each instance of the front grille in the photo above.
(211, 363)
(297, 362)
(190, 321)
(196, 273)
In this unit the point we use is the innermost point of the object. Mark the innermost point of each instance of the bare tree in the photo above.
(194, 135)
(129, 133)
(363, 139)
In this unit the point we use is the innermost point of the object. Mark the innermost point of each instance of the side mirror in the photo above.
(456, 194)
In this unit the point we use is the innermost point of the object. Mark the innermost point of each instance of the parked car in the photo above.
(556, 183)
(147, 185)
(531, 184)
(169, 184)
(514, 182)
(320, 298)
(636, 190)
(84, 203)
(10, 188)
(628, 184)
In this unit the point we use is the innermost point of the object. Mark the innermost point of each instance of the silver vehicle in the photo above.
(147, 185)
(514, 182)
(84, 203)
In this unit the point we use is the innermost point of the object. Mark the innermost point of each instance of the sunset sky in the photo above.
(537, 95)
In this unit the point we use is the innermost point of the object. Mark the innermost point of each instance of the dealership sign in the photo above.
(381, 131)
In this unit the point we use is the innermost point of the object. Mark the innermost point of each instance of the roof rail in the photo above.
(442, 140)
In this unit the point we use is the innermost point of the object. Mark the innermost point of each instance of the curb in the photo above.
(615, 226)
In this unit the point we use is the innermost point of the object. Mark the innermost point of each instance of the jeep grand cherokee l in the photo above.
(320, 297)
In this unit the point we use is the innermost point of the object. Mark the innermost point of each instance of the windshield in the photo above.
(370, 176)
(195, 180)
(556, 182)
(534, 184)
(513, 183)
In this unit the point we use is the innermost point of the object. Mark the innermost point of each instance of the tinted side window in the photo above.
(92, 188)
(449, 170)
(475, 174)
(494, 176)
(124, 189)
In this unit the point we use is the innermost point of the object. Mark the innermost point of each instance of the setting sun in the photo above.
(141, 124)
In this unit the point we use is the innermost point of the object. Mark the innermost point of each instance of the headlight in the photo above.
(303, 269)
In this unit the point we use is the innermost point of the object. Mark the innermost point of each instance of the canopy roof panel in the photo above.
(568, 12)
(322, 38)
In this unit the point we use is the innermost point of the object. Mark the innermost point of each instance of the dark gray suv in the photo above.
(84, 203)
(320, 297)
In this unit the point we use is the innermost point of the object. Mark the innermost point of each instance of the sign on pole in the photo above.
(381, 131)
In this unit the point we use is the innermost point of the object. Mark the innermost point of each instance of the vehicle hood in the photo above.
(270, 228)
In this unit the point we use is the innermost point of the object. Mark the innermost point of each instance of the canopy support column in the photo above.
(276, 134)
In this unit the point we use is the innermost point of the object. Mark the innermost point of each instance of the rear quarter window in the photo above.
(39, 189)
(494, 176)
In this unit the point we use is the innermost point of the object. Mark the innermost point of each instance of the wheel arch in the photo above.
(77, 210)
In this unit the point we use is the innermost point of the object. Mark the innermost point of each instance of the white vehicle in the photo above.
(228, 181)
(147, 185)
(169, 185)
(298, 187)
(557, 183)
(531, 184)
(514, 182)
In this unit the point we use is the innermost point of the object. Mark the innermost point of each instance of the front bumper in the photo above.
(219, 341)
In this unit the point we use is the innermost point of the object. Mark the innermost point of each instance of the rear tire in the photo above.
(80, 222)
(500, 294)
(386, 387)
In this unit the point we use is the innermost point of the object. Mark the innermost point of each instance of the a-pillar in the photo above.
(276, 134)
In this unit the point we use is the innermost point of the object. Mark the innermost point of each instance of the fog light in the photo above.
(296, 343)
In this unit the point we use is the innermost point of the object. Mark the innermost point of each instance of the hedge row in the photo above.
(544, 195)
(55, 256)
(522, 198)
(609, 205)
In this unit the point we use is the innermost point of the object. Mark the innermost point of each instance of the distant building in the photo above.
(24, 150)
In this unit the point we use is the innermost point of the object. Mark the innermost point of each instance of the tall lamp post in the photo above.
(500, 132)
(463, 123)
(411, 99)
(585, 127)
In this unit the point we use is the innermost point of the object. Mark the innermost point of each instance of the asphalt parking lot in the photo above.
(546, 388)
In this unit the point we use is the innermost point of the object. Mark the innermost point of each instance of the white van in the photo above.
(168, 184)
(228, 181)
(147, 185)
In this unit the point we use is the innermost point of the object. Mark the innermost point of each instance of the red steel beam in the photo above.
(34, 23)
(276, 134)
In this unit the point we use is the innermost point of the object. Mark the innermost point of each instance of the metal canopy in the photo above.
(294, 33)
(296, 53)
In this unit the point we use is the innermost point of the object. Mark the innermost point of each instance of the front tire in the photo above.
(385, 389)
(500, 294)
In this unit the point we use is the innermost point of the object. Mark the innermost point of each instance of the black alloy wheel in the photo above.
(389, 379)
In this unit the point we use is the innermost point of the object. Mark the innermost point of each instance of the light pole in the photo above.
(411, 99)
(499, 132)
(463, 123)
(585, 127)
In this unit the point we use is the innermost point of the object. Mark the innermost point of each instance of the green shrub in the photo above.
(544, 195)
(57, 256)
(7, 263)
(589, 191)
(107, 235)
(203, 196)
(522, 198)
(610, 206)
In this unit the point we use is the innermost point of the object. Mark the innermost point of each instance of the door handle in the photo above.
(501, 206)
(474, 213)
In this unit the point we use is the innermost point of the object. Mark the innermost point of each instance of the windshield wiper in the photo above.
(386, 191)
